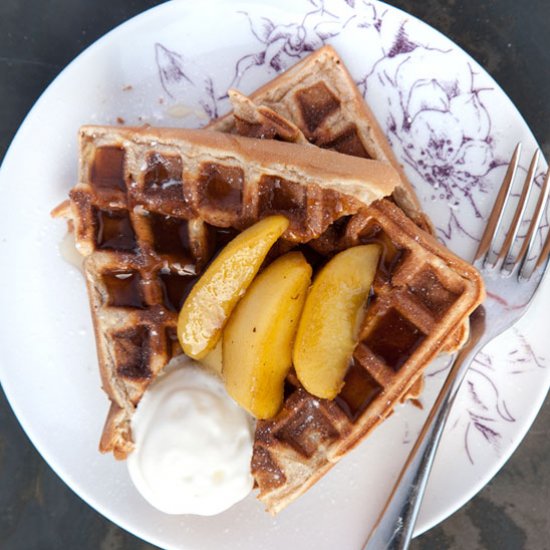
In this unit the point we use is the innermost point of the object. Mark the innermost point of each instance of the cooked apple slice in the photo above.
(257, 341)
(216, 293)
(213, 359)
(326, 334)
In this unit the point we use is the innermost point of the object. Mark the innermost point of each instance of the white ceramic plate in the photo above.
(450, 124)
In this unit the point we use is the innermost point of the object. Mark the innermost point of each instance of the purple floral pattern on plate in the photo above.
(486, 409)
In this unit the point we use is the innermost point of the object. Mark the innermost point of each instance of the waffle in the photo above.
(147, 237)
(317, 101)
(420, 293)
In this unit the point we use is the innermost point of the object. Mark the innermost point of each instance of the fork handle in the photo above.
(394, 527)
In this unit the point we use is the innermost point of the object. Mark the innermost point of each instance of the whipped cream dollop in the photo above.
(193, 443)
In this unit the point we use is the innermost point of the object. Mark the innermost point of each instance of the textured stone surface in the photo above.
(509, 38)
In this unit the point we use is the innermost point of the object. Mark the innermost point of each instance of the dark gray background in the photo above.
(39, 37)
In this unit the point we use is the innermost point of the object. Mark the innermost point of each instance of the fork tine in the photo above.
(518, 214)
(495, 217)
(531, 236)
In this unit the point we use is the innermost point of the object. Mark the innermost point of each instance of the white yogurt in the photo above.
(193, 443)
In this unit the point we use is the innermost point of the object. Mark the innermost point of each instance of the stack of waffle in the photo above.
(152, 206)
(421, 292)
(316, 101)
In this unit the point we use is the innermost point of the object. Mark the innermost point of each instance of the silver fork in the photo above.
(511, 280)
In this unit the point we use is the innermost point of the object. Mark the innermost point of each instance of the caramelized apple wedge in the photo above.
(326, 334)
(213, 359)
(216, 293)
(257, 341)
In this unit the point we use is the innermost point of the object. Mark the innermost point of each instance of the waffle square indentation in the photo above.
(308, 428)
(265, 469)
(359, 391)
(280, 196)
(132, 352)
(392, 256)
(221, 187)
(431, 293)
(347, 142)
(163, 177)
(114, 230)
(316, 103)
(175, 288)
(107, 170)
(124, 289)
(394, 339)
(170, 235)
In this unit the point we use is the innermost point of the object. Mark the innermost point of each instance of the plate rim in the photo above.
(25, 420)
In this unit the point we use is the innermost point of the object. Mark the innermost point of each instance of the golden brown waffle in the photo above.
(421, 292)
(153, 205)
(146, 236)
(317, 101)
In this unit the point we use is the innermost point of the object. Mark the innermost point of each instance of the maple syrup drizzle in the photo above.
(115, 231)
(222, 186)
(170, 235)
(359, 391)
(175, 289)
(107, 170)
(394, 339)
(124, 289)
